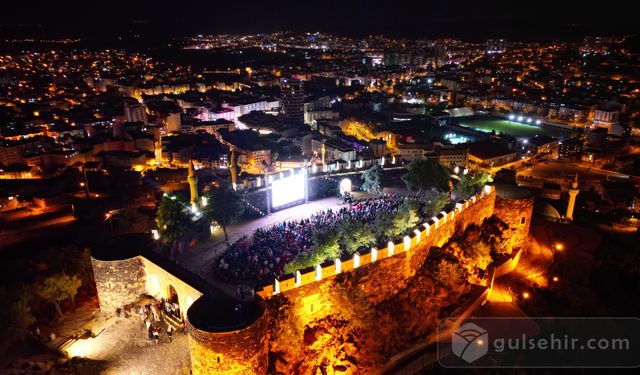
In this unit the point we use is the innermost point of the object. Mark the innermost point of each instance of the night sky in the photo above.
(534, 20)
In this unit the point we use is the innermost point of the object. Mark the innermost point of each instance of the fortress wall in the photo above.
(382, 272)
(240, 352)
(118, 282)
(314, 293)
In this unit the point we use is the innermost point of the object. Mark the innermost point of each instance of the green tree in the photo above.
(390, 225)
(59, 287)
(470, 185)
(434, 202)
(426, 174)
(372, 180)
(449, 274)
(325, 246)
(355, 235)
(224, 207)
(479, 253)
(174, 222)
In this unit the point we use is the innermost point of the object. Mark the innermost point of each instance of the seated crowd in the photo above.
(265, 255)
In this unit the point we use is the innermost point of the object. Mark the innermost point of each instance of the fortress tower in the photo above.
(192, 179)
(573, 193)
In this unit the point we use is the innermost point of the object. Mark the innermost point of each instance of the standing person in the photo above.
(143, 313)
(156, 335)
(148, 323)
(170, 333)
(154, 311)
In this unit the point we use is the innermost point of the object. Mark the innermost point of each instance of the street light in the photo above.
(559, 247)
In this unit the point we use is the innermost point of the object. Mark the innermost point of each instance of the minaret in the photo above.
(233, 169)
(192, 179)
(573, 193)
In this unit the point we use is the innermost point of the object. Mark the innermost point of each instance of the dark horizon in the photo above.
(418, 19)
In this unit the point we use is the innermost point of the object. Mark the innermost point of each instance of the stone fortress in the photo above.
(230, 340)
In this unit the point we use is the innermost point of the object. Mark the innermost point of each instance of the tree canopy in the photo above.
(470, 185)
(325, 246)
(224, 207)
(355, 235)
(174, 221)
(426, 174)
(59, 287)
(372, 180)
(393, 224)
(434, 202)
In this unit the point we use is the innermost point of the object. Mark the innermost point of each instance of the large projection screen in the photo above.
(287, 190)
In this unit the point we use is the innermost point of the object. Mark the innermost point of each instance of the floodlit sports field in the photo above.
(513, 128)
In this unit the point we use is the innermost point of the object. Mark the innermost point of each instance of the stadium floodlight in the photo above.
(520, 118)
(529, 120)
(538, 122)
(525, 141)
(512, 117)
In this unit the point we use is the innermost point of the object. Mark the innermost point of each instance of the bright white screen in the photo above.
(287, 190)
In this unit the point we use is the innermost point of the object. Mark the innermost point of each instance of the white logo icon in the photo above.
(470, 342)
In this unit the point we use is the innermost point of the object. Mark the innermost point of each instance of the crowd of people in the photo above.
(152, 316)
(265, 254)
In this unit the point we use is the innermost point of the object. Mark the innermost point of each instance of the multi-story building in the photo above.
(571, 147)
(212, 127)
(334, 150)
(135, 112)
(451, 156)
(292, 99)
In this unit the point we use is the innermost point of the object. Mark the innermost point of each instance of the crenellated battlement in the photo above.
(435, 232)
